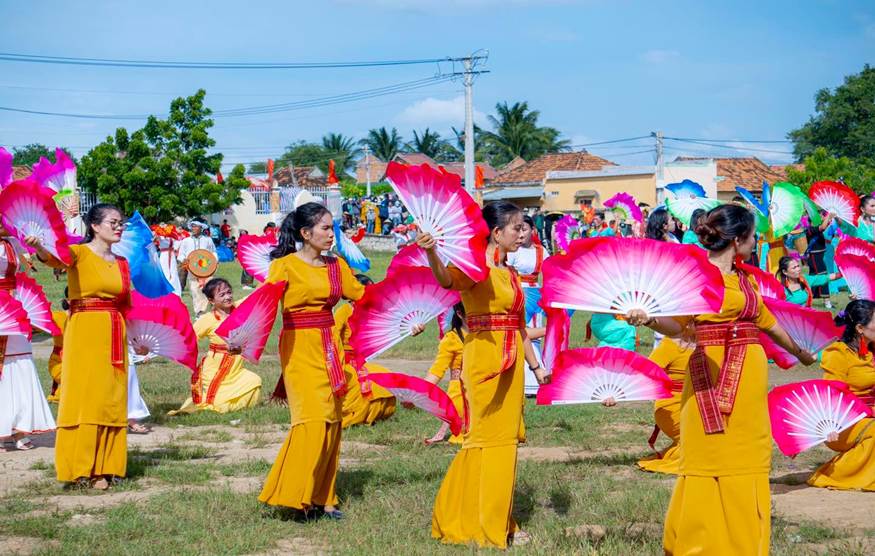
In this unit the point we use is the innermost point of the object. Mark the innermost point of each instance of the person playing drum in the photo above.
(188, 245)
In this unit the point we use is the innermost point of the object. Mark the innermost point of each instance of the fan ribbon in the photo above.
(7, 282)
(508, 323)
(532, 279)
(734, 337)
(114, 307)
(197, 378)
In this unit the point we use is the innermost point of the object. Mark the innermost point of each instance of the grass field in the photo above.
(192, 483)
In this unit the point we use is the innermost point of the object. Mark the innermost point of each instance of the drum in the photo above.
(202, 263)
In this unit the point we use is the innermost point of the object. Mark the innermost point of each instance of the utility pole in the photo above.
(368, 167)
(469, 123)
(660, 166)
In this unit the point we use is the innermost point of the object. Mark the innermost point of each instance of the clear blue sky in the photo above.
(596, 70)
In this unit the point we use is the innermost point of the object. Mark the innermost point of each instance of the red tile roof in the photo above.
(536, 170)
(415, 159)
(20, 172)
(748, 172)
(458, 168)
(303, 177)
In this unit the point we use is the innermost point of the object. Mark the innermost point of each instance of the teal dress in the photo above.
(800, 296)
(611, 332)
(690, 238)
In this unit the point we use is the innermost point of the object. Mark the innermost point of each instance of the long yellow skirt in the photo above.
(226, 400)
(473, 504)
(90, 451)
(305, 471)
(358, 410)
(854, 467)
(454, 391)
(727, 515)
(668, 421)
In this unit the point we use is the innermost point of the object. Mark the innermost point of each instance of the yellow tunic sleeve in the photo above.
(54, 262)
(447, 352)
(276, 272)
(205, 325)
(461, 282)
(352, 288)
(341, 324)
(834, 363)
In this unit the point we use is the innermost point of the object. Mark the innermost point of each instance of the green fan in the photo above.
(684, 207)
(786, 205)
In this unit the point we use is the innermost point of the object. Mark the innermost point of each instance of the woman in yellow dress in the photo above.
(449, 358)
(358, 409)
(475, 500)
(91, 443)
(305, 471)
(221, 383)
(850, 360)
(720, 503)
(60, 320)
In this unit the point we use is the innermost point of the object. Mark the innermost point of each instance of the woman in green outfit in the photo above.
(690, 236)
(797, 287)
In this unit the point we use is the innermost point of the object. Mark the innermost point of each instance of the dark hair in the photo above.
(656, 224)
(696, 217)
(859, 311)
(865, 199)
(364, 279)
(94, 217)
(498, 213)
(724, 224)
(65, 305)
(212, 285)
(303, 217)
(530, 221)
(458, 320)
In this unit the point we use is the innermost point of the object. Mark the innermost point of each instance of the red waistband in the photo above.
(111, 306)
(308, 319)
(92, 304)
(529, 279)
(219, 348)
(7, 283)
(494, 322)
(734, 333)
(677, 385)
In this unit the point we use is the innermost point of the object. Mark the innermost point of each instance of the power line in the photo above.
(609, 142)
(739, 149)
(729, 140)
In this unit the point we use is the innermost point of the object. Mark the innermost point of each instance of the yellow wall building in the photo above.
(565, 191)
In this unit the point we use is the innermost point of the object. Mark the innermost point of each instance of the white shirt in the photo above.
(191, 243)
(524, 259)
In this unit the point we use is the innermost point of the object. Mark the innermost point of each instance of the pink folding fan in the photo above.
(859, 247)
(161, 325)
(422, 394)
(812, 330)
(566, 230)
(28, 209)
(35, 303)
(13, 317)
(836, 198)
(859, 273)
(767, 284)
(251, 322)
(253, 252)
(411, 255)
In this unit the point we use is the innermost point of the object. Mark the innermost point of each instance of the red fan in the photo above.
(423, 394)
(162, 326)
(804, 414)
(28, 209)
(389, 309)
(617, 275)
(13, 317)
(358, 235)
(767, 284)
(592, 375)
(411, 255)
(556, 337)
(250, 323)
(854, 246)
(35, 303)
(253, 252)
(859, 273)
(812, 330)
(443, 208)
(6, 169)
(837, 199)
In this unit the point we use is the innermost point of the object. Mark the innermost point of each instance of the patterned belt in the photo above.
(58, 351)
(197, 378)
(716, 401)
(508, 324)
(677, 385)
(324, 321)
(220, 348)
(455, 374)
(7, 284)
(531, 279)
(96, 305)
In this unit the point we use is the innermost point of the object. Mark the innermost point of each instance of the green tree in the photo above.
(820, 166)
(302, 153)
(844, 123)
(29, 155)
(383, 143)
(428, 143)
(341, 149)
(258, 167)
(516, 133)
(163, 170)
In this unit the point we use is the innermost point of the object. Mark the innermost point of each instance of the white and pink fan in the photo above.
(837, 199)
(592, 375)
(250, 323)
(804, 414)
(422, 394)
(556, 337)
(161, 326)
(859, 273)
(389, 309)
(854, 246)
(625, 206)
(411, 255)
(566, 230)
(13, 317)
(28, 209)
(812, 330)
(35, 303)
(767, 284)
(60, 176)
(617, 275)
(442, 208)
(6, 169)
(253, 252)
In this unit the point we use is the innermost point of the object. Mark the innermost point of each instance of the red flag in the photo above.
(332, 177)
(478, 177)
(219, 177)
(269, 169)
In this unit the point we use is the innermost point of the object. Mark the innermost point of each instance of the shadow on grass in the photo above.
(523, 503)
(560, 500)
(139, 461)
(352, 483)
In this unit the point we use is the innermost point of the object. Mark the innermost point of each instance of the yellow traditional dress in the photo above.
(449, 358)
(60, 320)
(720, 504)
(357, 409)
(777, 249)
(854, 466)
(221, 383)
(305, 471)
(475, 500)
(673, 356)
(93, 414)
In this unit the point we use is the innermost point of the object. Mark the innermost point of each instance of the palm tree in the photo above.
(429, 143)
(340, 148)
(516, 133)
(383, 143)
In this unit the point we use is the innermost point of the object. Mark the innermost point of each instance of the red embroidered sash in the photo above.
(508, 323)
(58, 351)
(324, 321)
(532, 279)
(676, 386)
(197, 378)
(7, 281)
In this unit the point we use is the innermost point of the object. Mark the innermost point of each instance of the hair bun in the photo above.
(841, 319)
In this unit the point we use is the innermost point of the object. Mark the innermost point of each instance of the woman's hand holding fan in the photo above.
(810, 329)
(250, 323)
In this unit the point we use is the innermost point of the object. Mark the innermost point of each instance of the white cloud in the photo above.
(659, 56)
(437, 113)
